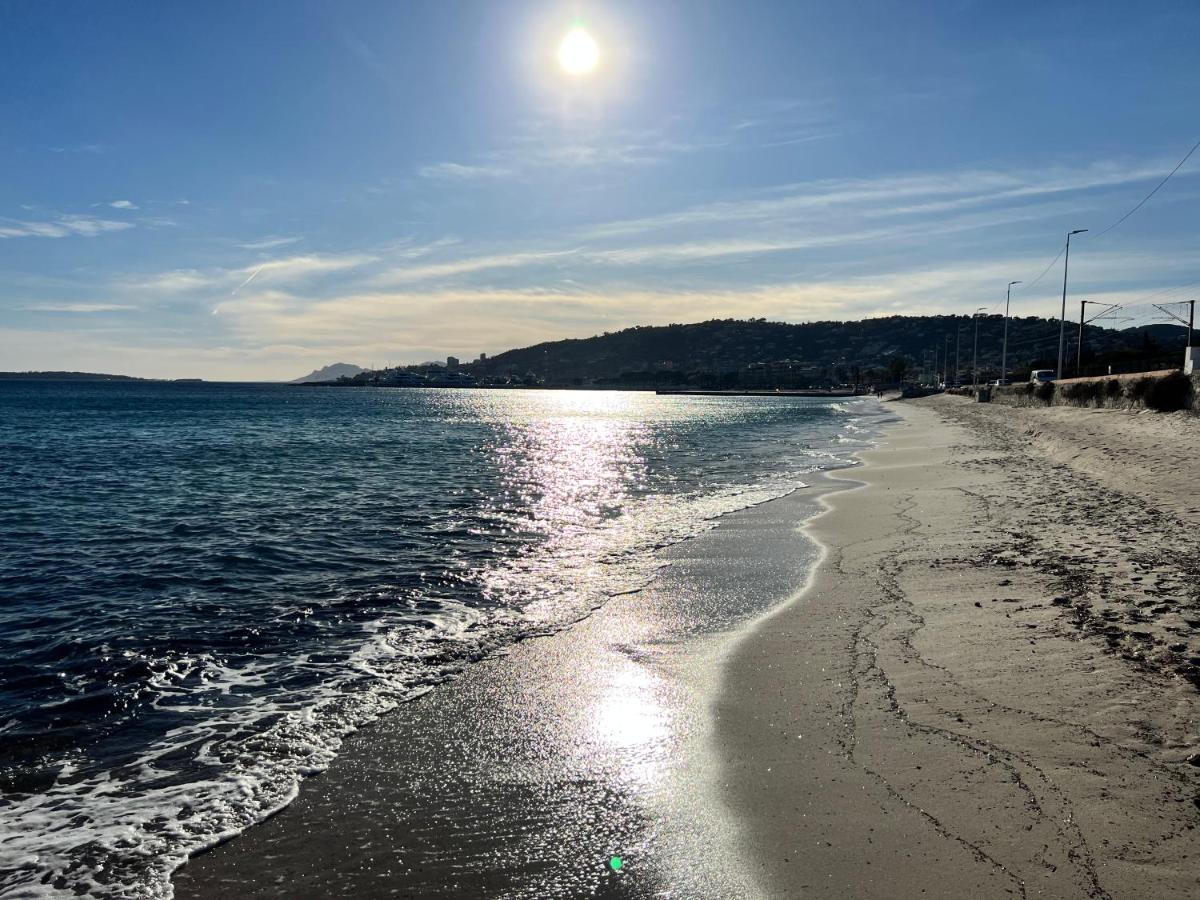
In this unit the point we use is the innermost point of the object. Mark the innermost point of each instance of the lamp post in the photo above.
(1062, 319)
(957, 351)
(1004, 352)
(975, 357)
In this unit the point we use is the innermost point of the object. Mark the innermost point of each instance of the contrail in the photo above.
(253, 275)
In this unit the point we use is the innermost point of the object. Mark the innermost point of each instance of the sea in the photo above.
(204, 588)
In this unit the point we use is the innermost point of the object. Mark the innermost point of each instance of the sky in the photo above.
(249, 191)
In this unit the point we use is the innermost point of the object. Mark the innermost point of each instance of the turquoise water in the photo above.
(206, 587)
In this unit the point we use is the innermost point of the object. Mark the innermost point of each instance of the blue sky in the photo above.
(251, 190)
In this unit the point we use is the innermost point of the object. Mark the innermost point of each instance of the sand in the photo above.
(984, 692)
(986, 688)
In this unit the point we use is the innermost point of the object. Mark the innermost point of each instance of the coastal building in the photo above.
(451, 363)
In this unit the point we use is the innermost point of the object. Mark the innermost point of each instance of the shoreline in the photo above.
(591, 741)
(911, 698)
(928, 718)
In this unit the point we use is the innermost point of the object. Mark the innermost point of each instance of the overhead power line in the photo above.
(1196, 146)
(1142, 202)
(1045, 270)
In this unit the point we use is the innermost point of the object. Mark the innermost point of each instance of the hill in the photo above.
(730, 352)
(330, 373)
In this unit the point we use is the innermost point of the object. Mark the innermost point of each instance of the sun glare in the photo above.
(578, 53)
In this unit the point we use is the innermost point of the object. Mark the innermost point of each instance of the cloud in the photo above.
(541, 145)
(298, 267)
(803, 139)
(468, 265)
(647, 257)
(207, 282)
(175, 281)
(494, 320)
(270, 243)
(889, 195)
(60, 227)
(80, 148)
(78, 307)
(122, 204)
(410, 251)
(458, 172)
(905, 243)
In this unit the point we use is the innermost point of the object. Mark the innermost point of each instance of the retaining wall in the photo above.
(1109, 391)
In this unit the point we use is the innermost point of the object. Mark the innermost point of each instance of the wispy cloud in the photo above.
(298, 267)
(174, 281)
(78, 307)
(458, 172)
(207, 282)
(541, 145)
(802, 139)
(889, 195)
(270, 243)
(122, 204)
(497, 319)
(493, 319)
(417, 251)
(433, 271)
(79, 148)
(60, 227)
(901, 243)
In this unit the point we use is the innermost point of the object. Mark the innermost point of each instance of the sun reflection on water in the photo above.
(565, 471)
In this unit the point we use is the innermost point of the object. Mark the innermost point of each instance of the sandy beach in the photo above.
(972, 674)
(988, 689)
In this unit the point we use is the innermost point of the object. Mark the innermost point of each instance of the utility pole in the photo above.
(946, 361)
(1079, 348)
(1004, 352)
(1189, 364)
(975, 358)
(1083, 320)
(1062, 319)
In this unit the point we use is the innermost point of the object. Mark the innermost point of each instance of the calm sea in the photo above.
(204, 588)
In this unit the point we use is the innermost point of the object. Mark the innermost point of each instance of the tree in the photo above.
(897, 367)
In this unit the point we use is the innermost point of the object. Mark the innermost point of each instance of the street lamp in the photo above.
(1062, 319)
(975, 361)
(1004, 352)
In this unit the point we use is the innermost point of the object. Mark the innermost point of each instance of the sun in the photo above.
(578, 53)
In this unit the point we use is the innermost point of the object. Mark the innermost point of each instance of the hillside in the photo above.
(331, 372)
(715, 352)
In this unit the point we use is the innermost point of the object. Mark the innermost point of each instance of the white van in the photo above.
(1041, 376)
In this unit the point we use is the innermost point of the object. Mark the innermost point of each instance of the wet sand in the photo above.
(986, 690)
(523, 777)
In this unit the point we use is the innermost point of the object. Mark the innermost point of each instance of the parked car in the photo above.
(1041, 376)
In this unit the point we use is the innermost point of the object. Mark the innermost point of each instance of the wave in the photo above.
(251, 731)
